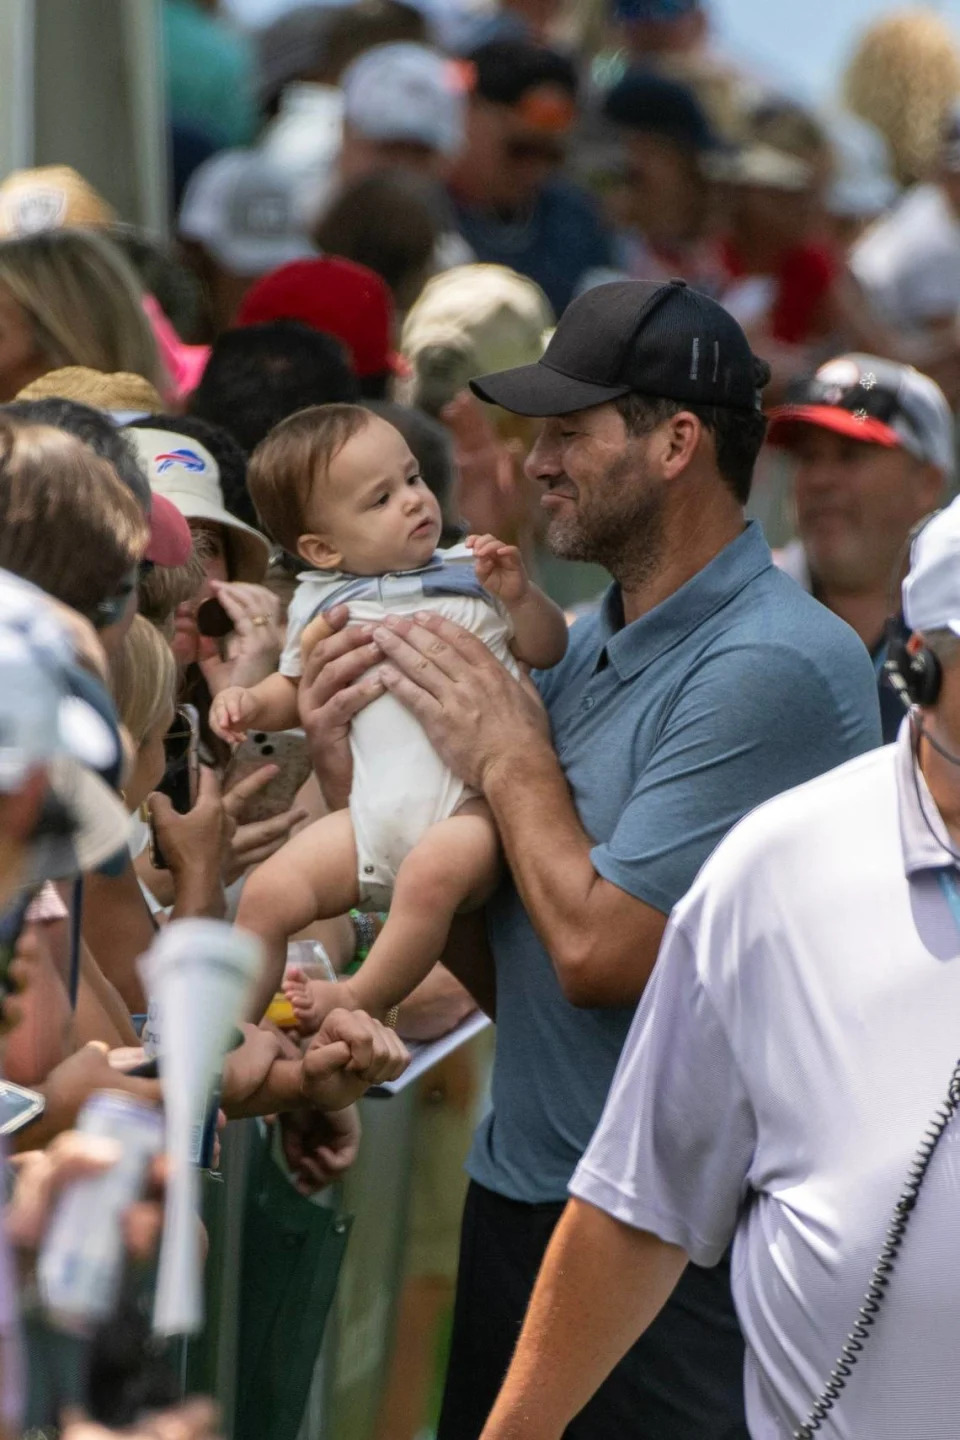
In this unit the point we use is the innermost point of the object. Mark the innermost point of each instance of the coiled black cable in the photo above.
(883, 1270)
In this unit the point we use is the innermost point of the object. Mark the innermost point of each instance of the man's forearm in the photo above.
(601, 1284)
(279, 1091)
(547, 849)
(603, 942)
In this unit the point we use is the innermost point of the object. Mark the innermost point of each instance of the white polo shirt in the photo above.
(796, 1038)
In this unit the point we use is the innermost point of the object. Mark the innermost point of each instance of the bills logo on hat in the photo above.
(189, 459)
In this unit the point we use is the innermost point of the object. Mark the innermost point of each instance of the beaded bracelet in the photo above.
(366, 927)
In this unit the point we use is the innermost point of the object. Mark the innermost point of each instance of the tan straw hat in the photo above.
(181, 469)
(118, 391)
(470, 321)
(51, 197)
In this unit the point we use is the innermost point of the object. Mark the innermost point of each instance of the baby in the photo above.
(338, 486)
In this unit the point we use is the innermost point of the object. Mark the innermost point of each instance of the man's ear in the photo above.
(318, 552)
(681, 436)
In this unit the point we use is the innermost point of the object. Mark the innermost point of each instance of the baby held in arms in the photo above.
(339, 487)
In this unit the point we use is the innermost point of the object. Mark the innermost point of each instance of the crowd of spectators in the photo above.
(474, 325)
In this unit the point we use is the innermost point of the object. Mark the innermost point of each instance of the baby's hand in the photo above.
(233, 711)
(500, 568)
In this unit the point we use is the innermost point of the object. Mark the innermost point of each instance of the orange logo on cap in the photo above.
(547, 107)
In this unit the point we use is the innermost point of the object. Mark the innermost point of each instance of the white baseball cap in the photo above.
(248, 212)
(931, 590)
(183, 470)
(46, 723)
(406, 92)
(862, 184)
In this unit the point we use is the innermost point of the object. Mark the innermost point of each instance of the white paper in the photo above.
(424, 1057)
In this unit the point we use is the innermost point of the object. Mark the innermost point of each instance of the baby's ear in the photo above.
(318, 552)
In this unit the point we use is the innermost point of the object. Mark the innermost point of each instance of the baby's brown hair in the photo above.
(285, 466)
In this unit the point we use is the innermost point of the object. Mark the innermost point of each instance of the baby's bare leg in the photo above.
(312, 878)
(455, 867)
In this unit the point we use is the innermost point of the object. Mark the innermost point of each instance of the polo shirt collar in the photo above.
(631, 648)
(923, 835)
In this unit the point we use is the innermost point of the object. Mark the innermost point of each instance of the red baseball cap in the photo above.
(337, 296)
(170, 538)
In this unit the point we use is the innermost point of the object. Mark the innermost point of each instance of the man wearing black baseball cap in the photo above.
(509, 201)
(705, 683)
(875, 451)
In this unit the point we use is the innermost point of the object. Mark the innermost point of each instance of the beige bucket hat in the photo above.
(181, 469)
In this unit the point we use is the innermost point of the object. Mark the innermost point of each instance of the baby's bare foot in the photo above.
(312, 1000)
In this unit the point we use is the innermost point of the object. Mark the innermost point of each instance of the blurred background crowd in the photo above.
(376, 202)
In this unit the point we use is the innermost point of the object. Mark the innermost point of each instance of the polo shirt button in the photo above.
(588, 703)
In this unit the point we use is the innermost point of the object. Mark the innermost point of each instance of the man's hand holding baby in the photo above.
(475, 713)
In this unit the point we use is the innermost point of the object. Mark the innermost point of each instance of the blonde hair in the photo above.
(144, 675)
(84, 302)
(902, 78)
(167, 586)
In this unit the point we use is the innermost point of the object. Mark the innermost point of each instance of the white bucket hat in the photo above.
(183, 470)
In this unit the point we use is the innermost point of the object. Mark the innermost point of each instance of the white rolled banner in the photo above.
(198, 976)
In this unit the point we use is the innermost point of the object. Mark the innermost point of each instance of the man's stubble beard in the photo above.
(621, 526)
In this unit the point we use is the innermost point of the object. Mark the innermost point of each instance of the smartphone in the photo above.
(18, 1106)
(181, 778)
(11, 925)
(284, 748)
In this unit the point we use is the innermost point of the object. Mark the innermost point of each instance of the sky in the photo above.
(804, 43)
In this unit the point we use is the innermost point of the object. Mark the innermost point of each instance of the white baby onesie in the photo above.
(400, 785)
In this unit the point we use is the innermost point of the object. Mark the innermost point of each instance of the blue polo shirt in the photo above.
(738, 686)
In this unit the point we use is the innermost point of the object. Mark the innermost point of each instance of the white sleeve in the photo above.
(306, 598)
(674, 1146)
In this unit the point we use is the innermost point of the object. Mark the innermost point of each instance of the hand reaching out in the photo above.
(500, 568)
(232, 713)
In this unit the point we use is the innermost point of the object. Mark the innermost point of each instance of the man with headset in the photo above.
(874, 446)
(789, 1073)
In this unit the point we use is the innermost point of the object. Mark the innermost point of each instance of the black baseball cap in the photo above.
(506, 70)
(637, 336)
(653, 104)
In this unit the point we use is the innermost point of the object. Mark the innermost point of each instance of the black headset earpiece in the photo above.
(915, 675)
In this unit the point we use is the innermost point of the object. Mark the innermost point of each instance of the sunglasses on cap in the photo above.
(530, 147)
(865, 399)
(108, 612)
(112, 609)
(547, 107)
